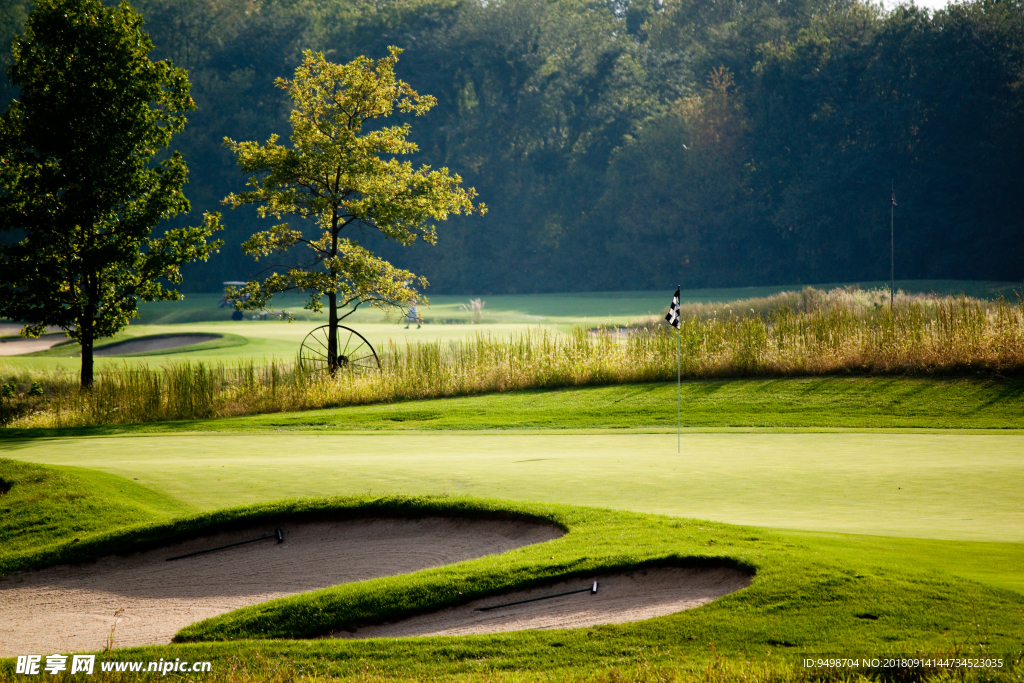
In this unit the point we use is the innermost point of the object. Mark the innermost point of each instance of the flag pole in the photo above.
(674, 320)
(892, 247)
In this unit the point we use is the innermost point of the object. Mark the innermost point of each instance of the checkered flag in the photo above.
(673, 311)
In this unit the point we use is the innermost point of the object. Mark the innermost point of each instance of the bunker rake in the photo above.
(591, 590)
(278, 534)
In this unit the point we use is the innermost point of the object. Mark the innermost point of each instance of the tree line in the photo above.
(635, 145)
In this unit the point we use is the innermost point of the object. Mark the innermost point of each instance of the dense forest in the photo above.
(635, 145)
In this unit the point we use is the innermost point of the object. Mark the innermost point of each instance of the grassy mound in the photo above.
(47, 512)
(792, 403)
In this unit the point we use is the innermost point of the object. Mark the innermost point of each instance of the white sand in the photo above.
(71, 607)
(16, 347)
(620, 598)
(154, 344)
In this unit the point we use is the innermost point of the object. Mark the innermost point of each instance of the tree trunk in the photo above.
(332, 299)
(332, 331)
(87, 344)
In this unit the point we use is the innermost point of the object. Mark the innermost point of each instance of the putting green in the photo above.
(937, 486)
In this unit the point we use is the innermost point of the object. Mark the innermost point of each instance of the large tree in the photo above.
(78, 185)
(344, 177)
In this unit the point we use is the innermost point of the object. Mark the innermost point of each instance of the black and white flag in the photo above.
(673, 311)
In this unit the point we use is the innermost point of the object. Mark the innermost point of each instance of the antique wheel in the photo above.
(355, 354)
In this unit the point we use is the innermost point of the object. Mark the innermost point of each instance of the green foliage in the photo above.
(571, 116)
(12, 21)
(77, 187)
(344, 177)
(811, 114)
(825, 113)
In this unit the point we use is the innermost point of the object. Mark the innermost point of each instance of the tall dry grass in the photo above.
(837, 332)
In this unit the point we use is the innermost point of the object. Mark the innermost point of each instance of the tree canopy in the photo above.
(570, 116)
(79, 191)
(341, 174)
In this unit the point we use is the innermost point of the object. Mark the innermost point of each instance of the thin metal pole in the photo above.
(679, 375)
(590, 590)
(892, 247)
(278, 534)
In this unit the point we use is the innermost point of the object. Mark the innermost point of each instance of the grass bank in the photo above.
(810, 403)
(49, 511)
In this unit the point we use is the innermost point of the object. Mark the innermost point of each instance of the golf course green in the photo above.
(876, 515)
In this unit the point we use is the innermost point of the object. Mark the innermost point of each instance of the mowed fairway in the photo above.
(922, 485)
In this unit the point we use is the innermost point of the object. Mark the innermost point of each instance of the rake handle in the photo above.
(277, 534)
(543, 597)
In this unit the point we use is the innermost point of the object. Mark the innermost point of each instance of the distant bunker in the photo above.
(159, 342)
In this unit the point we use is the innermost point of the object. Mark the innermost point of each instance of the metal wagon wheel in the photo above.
(355, 354)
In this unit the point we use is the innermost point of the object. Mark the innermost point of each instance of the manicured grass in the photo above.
(993, 564)
(909, 483)
(817, 403)
(800, 598)
(806, 599)
(941, 486)
(956, 479)
(45, 508)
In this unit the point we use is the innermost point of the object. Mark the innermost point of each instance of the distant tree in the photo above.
(77, 186)
(342, 176)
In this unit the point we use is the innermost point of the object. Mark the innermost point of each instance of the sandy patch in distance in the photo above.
(620, 598)
(71, 607)
(16, 347)
(154, 344)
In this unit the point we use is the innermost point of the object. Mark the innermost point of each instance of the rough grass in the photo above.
(257, 664)
(840, 335)
(803, 602)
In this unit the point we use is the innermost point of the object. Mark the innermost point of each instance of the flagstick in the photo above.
(675, 321)
(679, 412)
(892, 248)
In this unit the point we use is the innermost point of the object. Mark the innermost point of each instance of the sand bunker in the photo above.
(620, 598)
(16, 347)
(71, 607)
(147, 344)
(8, 328)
